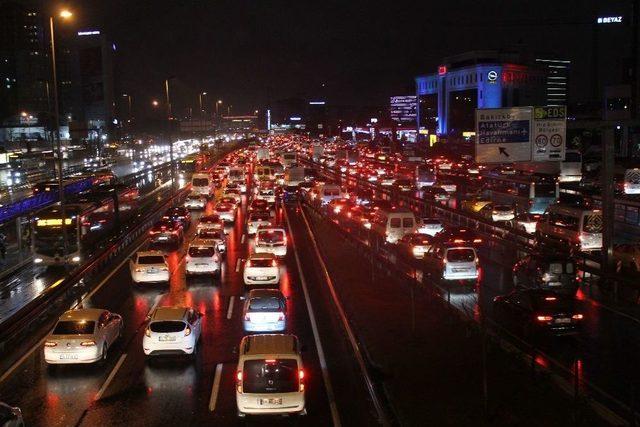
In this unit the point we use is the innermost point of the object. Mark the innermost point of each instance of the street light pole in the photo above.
(172, 173)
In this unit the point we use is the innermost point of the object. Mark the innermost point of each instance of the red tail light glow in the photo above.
(577, 317)
(544, 318)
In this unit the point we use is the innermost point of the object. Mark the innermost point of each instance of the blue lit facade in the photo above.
(448, 98)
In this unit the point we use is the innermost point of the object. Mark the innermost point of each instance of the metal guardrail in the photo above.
(21, 319)
(517, 240)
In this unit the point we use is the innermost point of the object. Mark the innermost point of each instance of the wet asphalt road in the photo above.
(173, 389)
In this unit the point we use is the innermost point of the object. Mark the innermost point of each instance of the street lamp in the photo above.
(200, 95)
(155, 103)
(64, 14)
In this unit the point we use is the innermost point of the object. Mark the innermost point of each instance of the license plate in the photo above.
(270, 401)
(163, 238)
(563, 320)
(68, 356)
(201, 265)
(460, 270)
(152, 271)
(555, 283)
(167, 338)
(262, 278)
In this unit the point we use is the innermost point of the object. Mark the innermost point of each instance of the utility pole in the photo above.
(608, 208)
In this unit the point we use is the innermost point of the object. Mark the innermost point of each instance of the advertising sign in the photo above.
(503, 135)
(404, 108)
(549, 133)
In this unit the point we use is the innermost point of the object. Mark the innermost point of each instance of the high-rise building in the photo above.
(557, 79)
(24, 67)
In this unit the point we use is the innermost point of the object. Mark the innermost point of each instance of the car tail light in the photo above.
(274, 263)
(458, 241)
(147, 332)
(50, 344)
(188, 258)
(477, 240)
(248, 263)
(90, 343)
(577, 316)
(544, 318)
(247, 317)
(187, 331)
(301, 374)
(280, 317)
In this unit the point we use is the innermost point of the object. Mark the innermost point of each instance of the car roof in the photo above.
(262, 255)
(169, 313)
(83, 314)
(150, 253)
(269, 344)
(265, 293)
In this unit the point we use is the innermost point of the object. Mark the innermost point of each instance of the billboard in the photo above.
(503, 135)
(404, 108)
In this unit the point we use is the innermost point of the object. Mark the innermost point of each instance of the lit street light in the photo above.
(200, 95)
(64, 14)
(155, 103)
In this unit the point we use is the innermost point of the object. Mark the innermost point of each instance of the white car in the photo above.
(261, 269)
(502, 213)
(210, 222)
(215, 236)
(271, 240)
(226, 212)
(256, 220)
(270, 376)
(172, 330)
(430, 226)
(202, 257)
(195, 201)
(82, 336)
(528, 222)
(265, 310)
(149, 267)
(453, 263)
(233, 191)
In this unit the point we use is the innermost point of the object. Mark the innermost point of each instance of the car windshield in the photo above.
(461, 255)
(201, 251)
(270, 376)
(151, 259)
(200, 182)
(74, 327)
(166, 326)
(271, 236)
(265, 304)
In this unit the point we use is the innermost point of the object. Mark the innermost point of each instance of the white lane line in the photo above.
(110, 377)
(89, 295)
(345, 324)
(316, 335)
(215, 388)
(238, 265)
(244, 236)
(230, 309)
(156, 301)
(114, 271)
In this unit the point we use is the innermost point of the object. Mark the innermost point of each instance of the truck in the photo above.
(294, 175)
(262, 153)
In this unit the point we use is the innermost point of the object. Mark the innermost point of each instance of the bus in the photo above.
(572, 227)
(527, 193)
(89, 218)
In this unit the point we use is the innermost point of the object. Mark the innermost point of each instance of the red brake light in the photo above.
(477, 240)
(270, 361)
(301, 374)
(544, 318)
(274, 263)
(550, 298)
(577, 317)
(458, 241)
(239, 376)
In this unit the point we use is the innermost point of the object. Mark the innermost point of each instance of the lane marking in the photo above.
(215, 388)
(40, 343)
(155, 303)
(244, 236)
(238, 265)
(110, 275)
(230, 309)
(316, 336)
(110, 377)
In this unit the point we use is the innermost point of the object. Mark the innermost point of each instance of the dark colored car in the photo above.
(290, 193)
(539, 311)
(555, 273)
(180, 214)
(458, 235)
(166, 231)
(259, 205)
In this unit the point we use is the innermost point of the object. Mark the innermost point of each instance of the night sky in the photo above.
(347, 52)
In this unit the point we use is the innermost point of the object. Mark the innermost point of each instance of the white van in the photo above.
(394, 223)
(574, 227)
(270, 376)
(202, 184)
(452, 263)
(328, 192)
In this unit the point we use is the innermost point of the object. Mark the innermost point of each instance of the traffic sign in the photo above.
(549, 125)
(503, 135)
